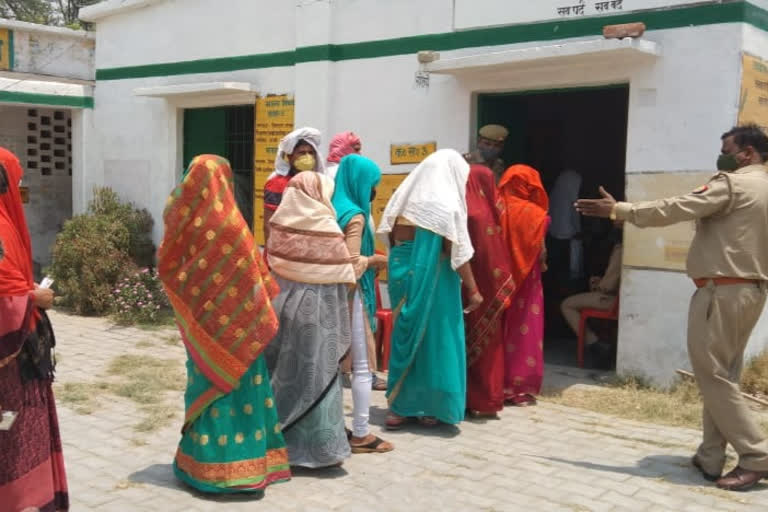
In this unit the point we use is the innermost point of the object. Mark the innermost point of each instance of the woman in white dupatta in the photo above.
(425, 223)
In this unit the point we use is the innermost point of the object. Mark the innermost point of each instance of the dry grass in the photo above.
(754, 380)
(143, 380)
(634, 400)
(174, 340)
(82, 397)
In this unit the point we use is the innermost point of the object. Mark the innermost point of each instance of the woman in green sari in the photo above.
(221, 293)
(425, 223)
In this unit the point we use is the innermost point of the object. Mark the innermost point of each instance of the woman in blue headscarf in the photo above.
(356, 181)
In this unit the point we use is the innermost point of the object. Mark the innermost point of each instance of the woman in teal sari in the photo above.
(221, 293)
(356, 181)
(425, 223)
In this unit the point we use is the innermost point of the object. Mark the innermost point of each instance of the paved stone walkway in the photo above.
(547, 458)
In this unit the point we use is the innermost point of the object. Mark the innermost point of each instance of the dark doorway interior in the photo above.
(228, 132)
(580, 129)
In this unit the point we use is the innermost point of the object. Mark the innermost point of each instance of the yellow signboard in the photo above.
(410, 153)
(387, 187)
(273, 121)
(6, 48)
(753, 103)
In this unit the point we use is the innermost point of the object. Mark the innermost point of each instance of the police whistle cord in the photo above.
(745, 395)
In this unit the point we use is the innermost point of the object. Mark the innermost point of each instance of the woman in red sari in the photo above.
(491, 266)
(524, 222)
(31, 464)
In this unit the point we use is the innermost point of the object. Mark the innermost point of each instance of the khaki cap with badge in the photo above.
(494, 132)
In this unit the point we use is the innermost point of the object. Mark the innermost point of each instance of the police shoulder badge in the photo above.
(701, 189)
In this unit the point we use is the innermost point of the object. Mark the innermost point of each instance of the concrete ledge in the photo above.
(22, 26)
(202, 94)
(107, 8)
(594, 52)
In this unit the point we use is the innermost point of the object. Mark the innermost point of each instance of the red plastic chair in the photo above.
(385, 322)
(610, 314)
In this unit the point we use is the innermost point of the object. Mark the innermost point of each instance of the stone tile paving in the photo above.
(548, 458)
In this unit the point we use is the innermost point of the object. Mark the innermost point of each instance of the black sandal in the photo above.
(373, 447)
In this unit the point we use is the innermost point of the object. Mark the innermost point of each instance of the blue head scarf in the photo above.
(355, 180)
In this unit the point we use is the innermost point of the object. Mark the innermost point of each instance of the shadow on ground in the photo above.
(673, 469)
(161, 475)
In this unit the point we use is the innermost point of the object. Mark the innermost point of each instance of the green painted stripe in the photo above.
(699, 15)
(46, 99)
(193, 67)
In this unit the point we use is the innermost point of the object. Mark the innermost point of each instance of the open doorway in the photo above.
(227, 132)
(584, 130)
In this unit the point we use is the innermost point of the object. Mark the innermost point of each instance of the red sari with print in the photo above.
(491, 268)
(31, 463)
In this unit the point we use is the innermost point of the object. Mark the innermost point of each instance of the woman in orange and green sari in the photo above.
(221, 293)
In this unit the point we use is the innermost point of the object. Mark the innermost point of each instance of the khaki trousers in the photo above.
(720, 320)
(572, 306)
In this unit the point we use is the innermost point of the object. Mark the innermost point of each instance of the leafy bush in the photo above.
(139, 298)
(89, 257)
(139, 223)
(96, 250)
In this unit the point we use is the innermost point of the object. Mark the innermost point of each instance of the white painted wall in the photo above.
(679, 106)
(53, 54)
(178, 30)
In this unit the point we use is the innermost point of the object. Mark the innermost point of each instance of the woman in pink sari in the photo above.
(524, 222)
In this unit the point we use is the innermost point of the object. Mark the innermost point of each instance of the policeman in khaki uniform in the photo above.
(728, 261)
(490, 144)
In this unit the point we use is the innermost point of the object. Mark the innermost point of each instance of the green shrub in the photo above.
(139, 223)
(96, 250)
(89, 257)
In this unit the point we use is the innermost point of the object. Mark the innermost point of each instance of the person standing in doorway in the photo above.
(342, 144)
(565, 229)
(728, 262)
(490, 144)
(298, 151)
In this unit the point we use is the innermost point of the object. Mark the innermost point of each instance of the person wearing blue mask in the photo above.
(490, 145)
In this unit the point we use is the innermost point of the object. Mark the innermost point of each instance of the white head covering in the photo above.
(434, 197)
(309, 135)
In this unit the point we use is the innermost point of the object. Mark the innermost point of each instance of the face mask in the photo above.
(727, 163)
(490, 153)
(305, 163)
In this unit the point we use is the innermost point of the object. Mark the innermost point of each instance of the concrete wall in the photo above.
(679, 105)
(53, 54)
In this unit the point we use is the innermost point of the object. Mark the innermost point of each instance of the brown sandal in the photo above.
(378, 445)
(428, 421)
(395, 421)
